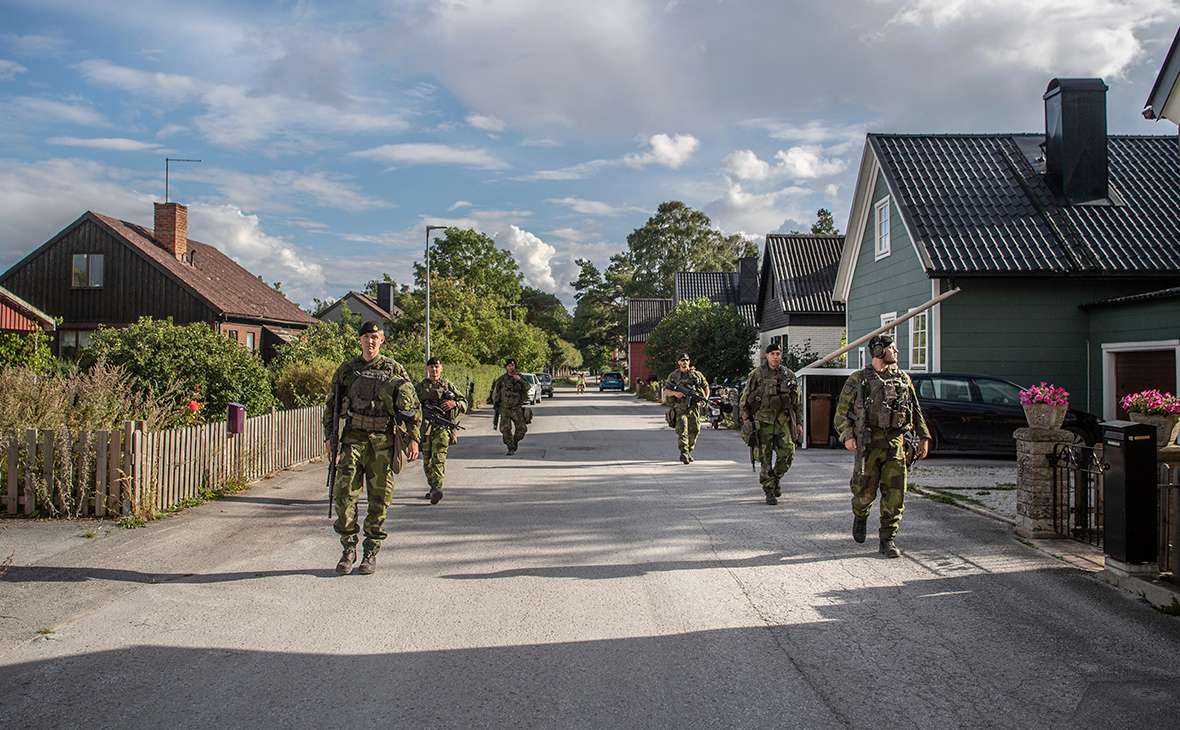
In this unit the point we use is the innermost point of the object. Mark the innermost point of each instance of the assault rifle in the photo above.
(689, 392)
(750, 430)
(334, 443)
(862, 432)
(436, 416)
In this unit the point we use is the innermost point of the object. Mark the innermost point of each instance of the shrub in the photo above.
(301, 384)
(30, 350)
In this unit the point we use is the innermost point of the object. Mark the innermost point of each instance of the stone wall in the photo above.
(1034, 480)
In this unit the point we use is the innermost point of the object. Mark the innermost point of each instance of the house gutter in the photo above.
(884, 328)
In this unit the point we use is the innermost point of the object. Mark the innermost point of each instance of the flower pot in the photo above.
(1165, 427)
(1045, 415)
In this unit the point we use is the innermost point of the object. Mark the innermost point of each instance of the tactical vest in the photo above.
(512, 391)
(365, 409)
(692, 377)
(778, 390)
(440, 391)
(887, 404)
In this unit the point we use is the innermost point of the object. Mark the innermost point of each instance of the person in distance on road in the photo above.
(770, 404)
(684, 413)
(381, 409)
(877, 408)
(509, 392)
(438, 392)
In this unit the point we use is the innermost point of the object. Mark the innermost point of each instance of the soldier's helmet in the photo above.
(878, 344)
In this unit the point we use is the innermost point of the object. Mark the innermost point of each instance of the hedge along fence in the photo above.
(480, 377)
(63, 473)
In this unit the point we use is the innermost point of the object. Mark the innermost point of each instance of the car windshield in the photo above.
(612, 376)
(529, 377)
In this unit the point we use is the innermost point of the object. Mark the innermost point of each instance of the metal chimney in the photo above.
(747, 279)
(385, 296)
(1075, 140)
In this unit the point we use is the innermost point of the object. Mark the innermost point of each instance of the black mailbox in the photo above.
(1129, 491)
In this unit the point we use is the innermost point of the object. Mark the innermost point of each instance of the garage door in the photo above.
(1136, 371)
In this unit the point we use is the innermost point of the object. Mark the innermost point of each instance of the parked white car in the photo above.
(534, 388)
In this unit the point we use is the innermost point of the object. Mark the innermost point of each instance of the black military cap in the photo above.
(684, 356)
(369, 327)
(509, 361)
(773, 347)
(878, 344)
(433, 361)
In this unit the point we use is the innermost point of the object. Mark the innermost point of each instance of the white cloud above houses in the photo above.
(428, 153)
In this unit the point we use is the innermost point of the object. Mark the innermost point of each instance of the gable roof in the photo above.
(211, 276)
(976, 204)
(1164, 100)
(643, 315)
(365, 300)
(716, 286)
(26, 310)
(803, 267)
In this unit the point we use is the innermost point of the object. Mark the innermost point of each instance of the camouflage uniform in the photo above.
(686, 414)
(436, 439)
(771, 400)
(366, 445)
(510, 394)
(891, 407)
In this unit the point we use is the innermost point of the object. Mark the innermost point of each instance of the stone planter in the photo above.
(1045, 415)
(1165, 427)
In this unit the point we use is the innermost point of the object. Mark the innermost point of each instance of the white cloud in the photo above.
(667, 151)
(532, 256)
(486, 122)
(745, 165)
(591, 207)
(741, 210)
(809, 162)
(427, 153)
(1061, 37)
(539, 142)
(38, 109)
(9, 70)
(459, 204)
(241, 237)
(285, 190)
(117, 144)
(35, 45)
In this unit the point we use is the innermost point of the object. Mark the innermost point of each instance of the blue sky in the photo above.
(331, 134)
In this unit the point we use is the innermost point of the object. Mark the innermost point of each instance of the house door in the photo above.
(1137, 371)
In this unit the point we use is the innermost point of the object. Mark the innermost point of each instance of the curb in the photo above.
(969, 507)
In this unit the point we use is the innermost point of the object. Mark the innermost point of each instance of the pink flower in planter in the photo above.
(1151, 403)
(1045, 393)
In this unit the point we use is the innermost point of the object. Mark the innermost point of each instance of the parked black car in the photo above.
(546, 381)
(978, 413)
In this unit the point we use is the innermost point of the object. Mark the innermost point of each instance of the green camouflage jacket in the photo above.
(406, 399)
(846, 411)
(763, 402)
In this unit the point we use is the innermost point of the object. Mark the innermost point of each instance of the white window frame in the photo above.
(886, 318)
(860, 351)
(881, 216)
(922, 351)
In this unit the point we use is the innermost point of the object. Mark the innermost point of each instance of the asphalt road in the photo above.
(589, 581)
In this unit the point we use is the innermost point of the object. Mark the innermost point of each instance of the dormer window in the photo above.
(87, 273)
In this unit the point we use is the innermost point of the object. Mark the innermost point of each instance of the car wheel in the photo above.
(1079, 436)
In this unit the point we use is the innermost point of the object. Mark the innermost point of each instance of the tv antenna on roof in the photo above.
(166, 161)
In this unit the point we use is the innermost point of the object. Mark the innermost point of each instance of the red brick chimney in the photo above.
(172, 228)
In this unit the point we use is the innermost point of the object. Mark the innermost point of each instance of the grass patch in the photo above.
(1026, 542)
(89, 534)
(946, 496)
(1173, 610)
(44, 631)
(130, 523)
(1005, 485)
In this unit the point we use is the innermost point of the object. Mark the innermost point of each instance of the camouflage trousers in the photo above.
(776, 445)
(364, 465)
(434, 455)
(884, 471)
(688, 427)
(512, 419)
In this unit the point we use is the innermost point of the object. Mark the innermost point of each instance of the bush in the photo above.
(30, 350)
(717, 338)
(302, 384)
(192, 362)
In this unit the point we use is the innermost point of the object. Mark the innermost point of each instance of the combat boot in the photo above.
(435, 495)
(368, 564)
(859, 527)
(770, 498)
(778, 490)
(889, 549)
(344, 567)
(684, 457)
(690, 459)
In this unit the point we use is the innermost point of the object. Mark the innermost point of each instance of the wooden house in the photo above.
(795, 305)
(1065, 246)
(18, 316)
(364, 306)
(108, 272)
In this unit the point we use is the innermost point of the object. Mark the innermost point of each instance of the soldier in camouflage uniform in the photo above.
(509, 393)
(437, 391)
(771, 404)
(881, 400)
(378, 399)
(685, 414)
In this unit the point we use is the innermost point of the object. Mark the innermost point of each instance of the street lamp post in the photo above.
(428, 230)
(510, 308)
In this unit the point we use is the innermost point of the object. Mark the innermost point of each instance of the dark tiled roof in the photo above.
(391, 314)
(215, 277)
(716, 286)
(643, 315)
(366, 300)
(1172, 293)
(804, 268)
(976, 204)
(26, 310)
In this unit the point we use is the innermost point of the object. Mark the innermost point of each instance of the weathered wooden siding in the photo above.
(132, 286)
(10, 319)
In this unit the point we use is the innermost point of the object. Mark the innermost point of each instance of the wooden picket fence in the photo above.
(129, 472)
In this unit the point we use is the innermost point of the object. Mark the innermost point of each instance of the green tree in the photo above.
(545, 310)
(717, 338)
(472, 260)
(29, 349)
(331, 341)
(600, 319)
(206, 366)
(824, 224)
(678, 238)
